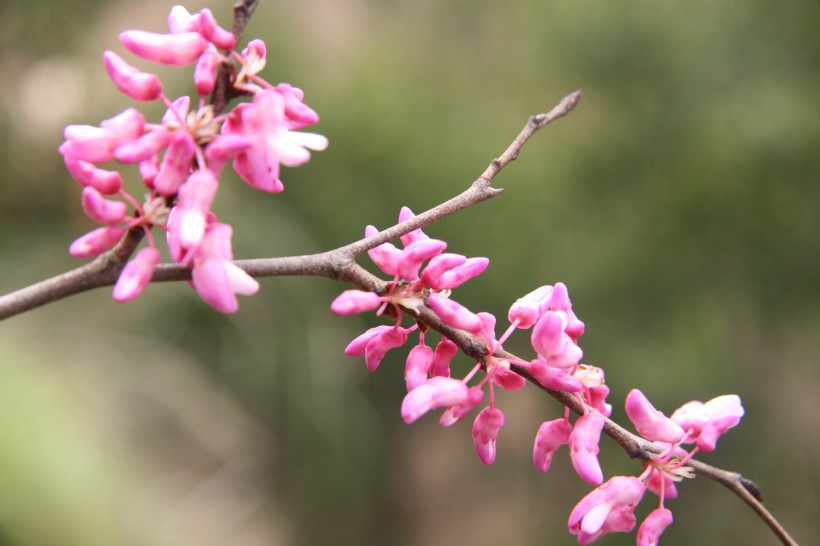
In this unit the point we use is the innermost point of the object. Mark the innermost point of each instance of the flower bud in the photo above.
(173, 49)
(96, 242)
(485, 433)
(583, 447)
(136, 275)
(138, 85)
(102, 210)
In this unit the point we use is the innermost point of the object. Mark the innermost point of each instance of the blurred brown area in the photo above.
(679, 203)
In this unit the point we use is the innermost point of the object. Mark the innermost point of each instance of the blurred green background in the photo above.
(679, 203)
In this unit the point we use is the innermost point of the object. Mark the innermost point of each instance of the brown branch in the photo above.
(224, 91)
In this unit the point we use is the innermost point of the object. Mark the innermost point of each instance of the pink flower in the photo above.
(456, 412)
(583, 447)
(651, 424)
(179, 49)
(214, 276)
(102, 210)
(485, 433)
(375, 343)
(653, 526)
(406, 214)
(417, 365)
(355, 301)
(274, 143)
(97, 144)
(529, 308)
(551, 341)
(659, 482)
(554, 378)
(136, 275)
(415, 254)
(550, 436)
(705, 423)
(434, 393)
(445, 351)
(143, 147)
(608, 508)
(138, 85)
(176, 165)
(193, 205)
(105, 182)
(454, 314)
(448, 271)
(96, 242)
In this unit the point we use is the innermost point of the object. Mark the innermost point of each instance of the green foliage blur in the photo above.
(680, 203)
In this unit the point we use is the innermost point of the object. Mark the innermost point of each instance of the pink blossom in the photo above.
(506, 378)
(174, 49)
(583, 447)
(386, 256)
(485, 433)
(176, 165)
(145, 146)
(378, 346)
(136, 84)
(592, 378)
(417, 234)
(297, 113)
(418, 362)
(529, 308)
(211, 31)
(705, 423)
(105, 182)
(552, 343)
(223, 149)
(253, 56)
(97, 144)
(456, 412)
(96, 242)
(214, 276)
(659, 482)
(355, 301)
(102, 210)
(445, 351)
(194, 203)
(358, 346)
(205, 72)
(415, 254)
(454, 314)
(264, 122)
(436, 392)
(136, 275)
(606, 509)
(653, 526)
(651, 424)
(554, 378)
(550, 436)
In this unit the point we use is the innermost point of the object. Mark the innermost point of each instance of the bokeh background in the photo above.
(679, 203)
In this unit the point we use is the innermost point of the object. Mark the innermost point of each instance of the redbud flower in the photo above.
(378, 346)
(445, 351)
(355, 301)
(550, 436)
(415, 254)
(136, 275)
(610, 503)
(100, 209)
(554, 378)
(529, 308)
(358, 346)
(174, 49)
(96, 242)
(194, 202)
(705, 423)
(205, 72)
(658, 481)
(417, 365)
(105, 182)
(506, 378)
(211, 31)
(454, 314)
(485, 433)
(552, 343)
(653, 526)
(436, 392)
(651, 424)
(454, 413)
(176, 165)
(142, 148)
(214, 276)
(583, 447)
(97, 144)
(136, 84)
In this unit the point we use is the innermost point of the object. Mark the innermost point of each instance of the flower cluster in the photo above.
(610, 507)
(424, 275)
(181, 158)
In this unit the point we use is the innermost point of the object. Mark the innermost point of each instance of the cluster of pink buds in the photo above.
(611, 507)
(424, 275)
(181, 158)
